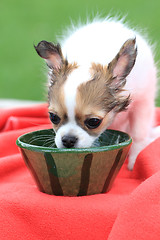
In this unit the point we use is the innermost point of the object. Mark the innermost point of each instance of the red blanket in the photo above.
(131, 210)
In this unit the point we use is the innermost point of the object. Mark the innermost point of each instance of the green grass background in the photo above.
(24, 23)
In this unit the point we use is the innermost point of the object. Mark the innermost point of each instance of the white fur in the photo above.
(77, 77)
(99, 42)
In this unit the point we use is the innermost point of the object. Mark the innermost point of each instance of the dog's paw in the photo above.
(136, 148)
(131, 162)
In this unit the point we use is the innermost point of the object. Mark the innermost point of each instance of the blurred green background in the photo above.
(24, 23)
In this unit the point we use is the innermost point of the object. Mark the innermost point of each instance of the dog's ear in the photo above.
(51, 53)
(123, 63)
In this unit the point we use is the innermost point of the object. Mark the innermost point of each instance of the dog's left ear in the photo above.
(123, 63)
(51, 53)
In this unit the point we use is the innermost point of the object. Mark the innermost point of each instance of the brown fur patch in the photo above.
(88, 112)
(57, 105)
(100, 92)
(60, 75)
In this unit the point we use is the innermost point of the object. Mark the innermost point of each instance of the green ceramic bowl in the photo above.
(76, 171)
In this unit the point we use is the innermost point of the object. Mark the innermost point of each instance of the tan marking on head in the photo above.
(101, 92)
(60, 75)
(98, 97)
(90, 93)
(89, 112)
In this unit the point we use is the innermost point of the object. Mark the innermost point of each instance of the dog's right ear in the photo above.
(123, 63)
(51, 53)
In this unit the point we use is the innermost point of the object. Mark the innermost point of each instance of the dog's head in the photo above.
(83, 100)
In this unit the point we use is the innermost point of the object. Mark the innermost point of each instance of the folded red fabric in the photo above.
(131, 210)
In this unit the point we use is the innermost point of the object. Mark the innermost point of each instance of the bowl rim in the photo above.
(37, 148)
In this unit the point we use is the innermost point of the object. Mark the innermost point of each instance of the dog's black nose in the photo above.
(69, 141)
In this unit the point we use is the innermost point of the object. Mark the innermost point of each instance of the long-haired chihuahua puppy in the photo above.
(101, 76)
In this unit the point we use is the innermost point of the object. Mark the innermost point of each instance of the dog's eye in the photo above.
(54, 118)
(92, 123)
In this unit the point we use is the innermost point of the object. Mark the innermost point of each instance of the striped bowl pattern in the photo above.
(74, 172)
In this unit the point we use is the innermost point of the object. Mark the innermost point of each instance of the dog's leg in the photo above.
(141, 124)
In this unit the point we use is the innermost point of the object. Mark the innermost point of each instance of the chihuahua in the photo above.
(101, 76)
